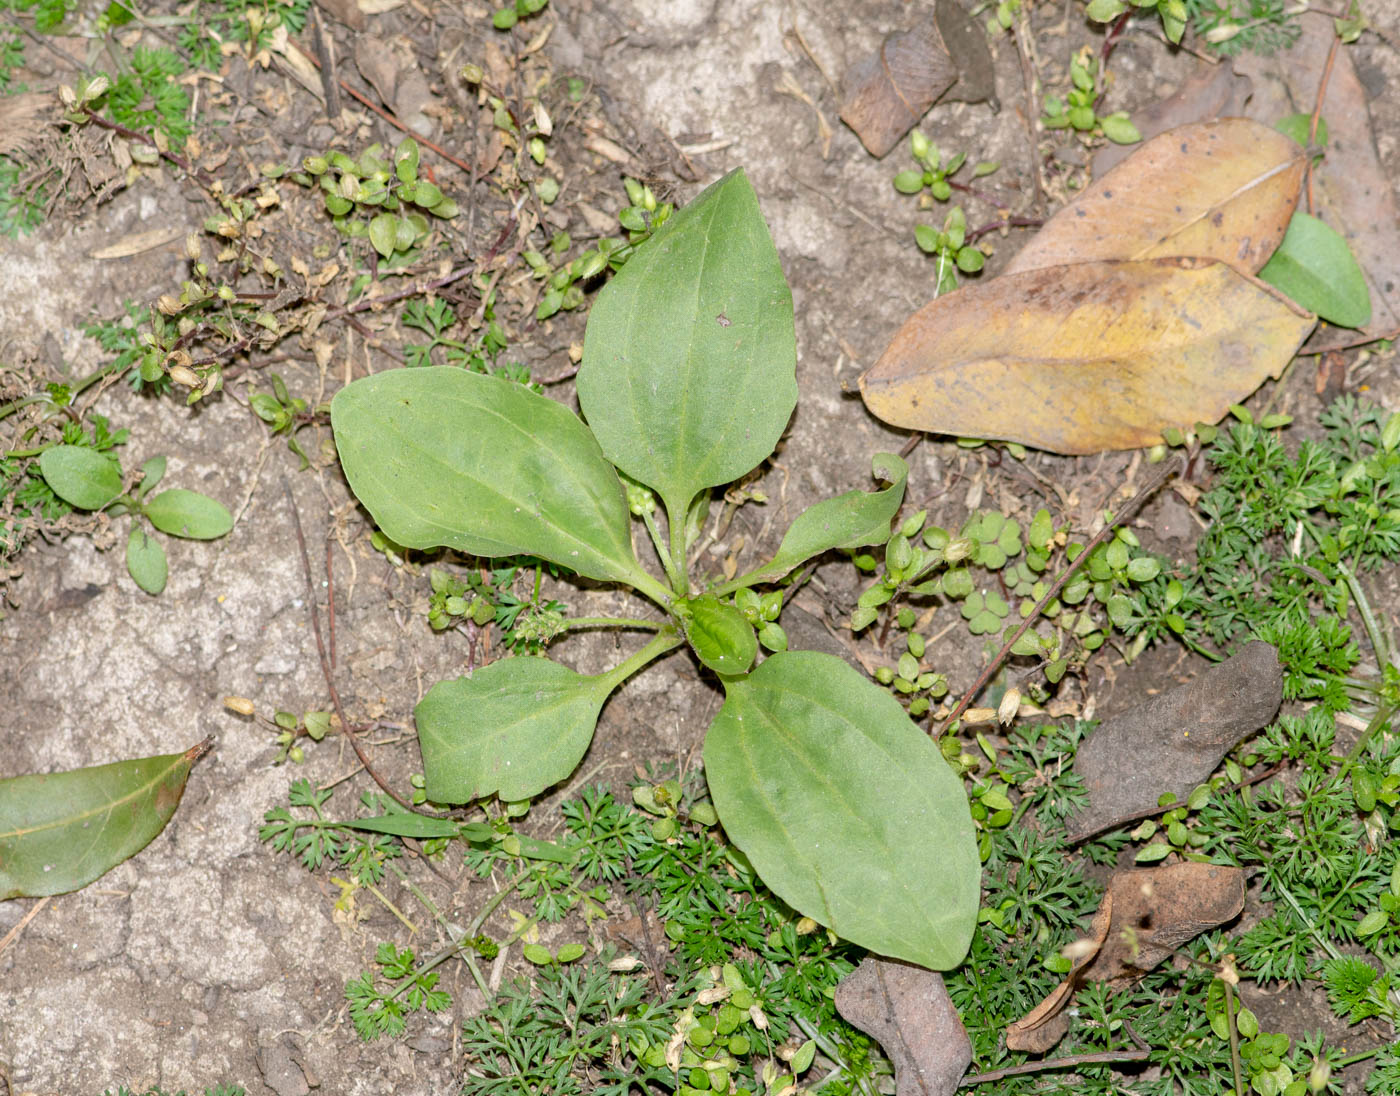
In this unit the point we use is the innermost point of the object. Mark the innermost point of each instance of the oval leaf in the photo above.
(80, 476)
(1316, 269)
(60, 831)
(1220, 190)
(850, 520)
(445, 458)
(184, 513)
(690, 356)
(1081, 358)
(145, 560)
(845, 808)
(718, 634)
(513, 728)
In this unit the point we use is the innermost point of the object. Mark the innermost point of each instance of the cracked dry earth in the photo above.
(208, 958)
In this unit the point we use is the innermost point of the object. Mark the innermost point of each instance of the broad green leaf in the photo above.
(80, 476)
(1315, 267)
(184, 513)
(718, 634)
(405, 825)
(60, 831)
(846, 521)
(689, 360)
(513, 728)
(845, 808)
(445, 458)
(145, 560)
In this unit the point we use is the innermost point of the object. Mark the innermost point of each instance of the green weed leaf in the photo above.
(80, 476)
(60, 831)
(513, 728)
(405, 825)
(1315, 267)
(145, 560)
(445, 458)
(846, 521)
(690, 357)
(384, 233)
(845, 808)
(189, 514)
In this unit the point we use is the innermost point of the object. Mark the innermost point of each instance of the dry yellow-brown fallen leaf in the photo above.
(1223, 189)
(1086, 357)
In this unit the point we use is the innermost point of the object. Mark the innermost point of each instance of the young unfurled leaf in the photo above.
(443, 457)
(60, 831)
(145, 560)
(80, 476)
(1087, 356)
(689, 361)
(152, 472)
(189, 514)
(718, 634)
(1316, 268)
(846, 809)
(847, 521)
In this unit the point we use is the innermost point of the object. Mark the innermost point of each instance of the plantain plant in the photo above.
(844, 807)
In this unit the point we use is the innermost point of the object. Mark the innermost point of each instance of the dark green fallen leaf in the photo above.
(60, 831)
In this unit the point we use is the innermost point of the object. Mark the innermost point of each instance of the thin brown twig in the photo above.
(34, 910)
(1350, 344)
(330, 596)
(1119, 517)
(1099, 1057)
(325, 662)
(1317, 112)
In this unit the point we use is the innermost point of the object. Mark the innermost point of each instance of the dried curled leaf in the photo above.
(1220, 190)
(1077, 359)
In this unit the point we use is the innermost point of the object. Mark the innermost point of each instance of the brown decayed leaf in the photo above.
(1220, 190)
(1174, 740)
(1045, 1025)
(1078, 359)
(884, 94)
(1145, 915)
(908, 1010)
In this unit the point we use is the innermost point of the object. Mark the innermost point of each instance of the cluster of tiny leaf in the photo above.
(1077, 109)
(564, 284)
(383, 200)
(932, 181)
(486, 597)
(979, 569)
